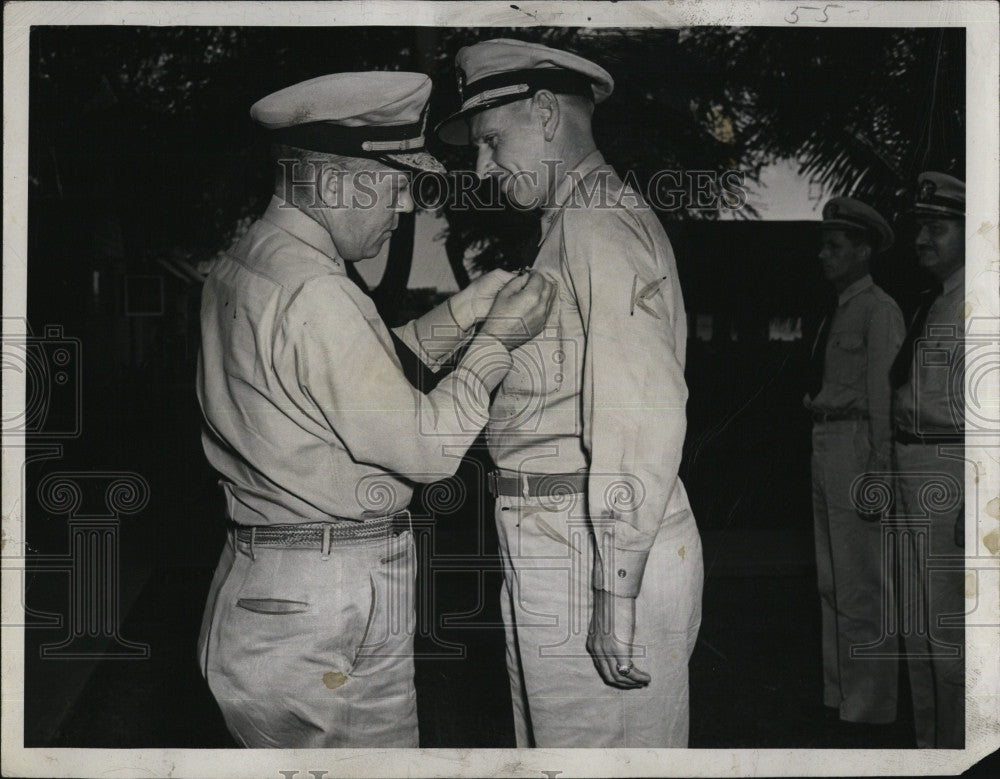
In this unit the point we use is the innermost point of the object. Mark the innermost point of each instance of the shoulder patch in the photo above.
(643, 292)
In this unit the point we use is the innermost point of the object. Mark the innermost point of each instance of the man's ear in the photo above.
(330, 184)
(547, 107)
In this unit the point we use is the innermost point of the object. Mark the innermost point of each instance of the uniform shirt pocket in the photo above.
(846, 358)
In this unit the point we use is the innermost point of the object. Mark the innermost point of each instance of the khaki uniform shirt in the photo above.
(602, 389)
(865, 335)
(308, 415)
(933, 400)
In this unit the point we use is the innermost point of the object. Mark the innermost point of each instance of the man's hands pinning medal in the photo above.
(520, 309)
(483, 291)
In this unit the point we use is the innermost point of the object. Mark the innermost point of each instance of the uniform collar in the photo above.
(955, 280)
(858, 286)
(288, 218)
(565, 188)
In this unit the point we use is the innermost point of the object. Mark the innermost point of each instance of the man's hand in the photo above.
(484, 291)
(519, 312)
(611, 650)
(472, 304)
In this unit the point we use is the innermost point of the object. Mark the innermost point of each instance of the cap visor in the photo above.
(885, 239)
(841, 224)
(454, 130)
(939, 211)
(417, 161)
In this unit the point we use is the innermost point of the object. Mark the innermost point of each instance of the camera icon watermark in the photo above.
(546, 366)
(953, 371)
(981, 377)
(51, 367)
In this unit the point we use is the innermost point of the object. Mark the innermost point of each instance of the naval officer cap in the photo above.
(846, 213)
(939, 195)
(375, 115)
(500, 71)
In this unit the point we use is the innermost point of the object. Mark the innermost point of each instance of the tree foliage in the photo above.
(863, 110)
(152, 123)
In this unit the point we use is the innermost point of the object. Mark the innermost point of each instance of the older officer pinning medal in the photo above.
(850, 399)
(306, 639)
(602, 557)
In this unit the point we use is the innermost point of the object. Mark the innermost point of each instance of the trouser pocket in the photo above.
(388, 632)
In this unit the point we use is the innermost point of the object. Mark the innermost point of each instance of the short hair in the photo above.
(579, 102)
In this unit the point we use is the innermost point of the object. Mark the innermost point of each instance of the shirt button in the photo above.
(621, 573)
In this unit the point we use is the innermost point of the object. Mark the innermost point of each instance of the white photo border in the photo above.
(980, 20)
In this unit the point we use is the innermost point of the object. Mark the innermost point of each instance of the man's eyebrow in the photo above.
(478, 137)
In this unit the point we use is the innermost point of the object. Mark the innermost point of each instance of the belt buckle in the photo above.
(492, 483)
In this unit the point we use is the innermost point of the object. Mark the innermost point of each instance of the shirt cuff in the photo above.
(434, 337)
(460, 308)
(622, 574)
(487, 359)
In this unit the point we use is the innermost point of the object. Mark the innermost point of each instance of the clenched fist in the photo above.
(520, 310)
(472, 304)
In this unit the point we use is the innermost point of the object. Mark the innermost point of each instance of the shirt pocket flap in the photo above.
(849, 341)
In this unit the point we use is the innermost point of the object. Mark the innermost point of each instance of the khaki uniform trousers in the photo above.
(305, 651)
(853, 579)
(933, 600)
(559, 698)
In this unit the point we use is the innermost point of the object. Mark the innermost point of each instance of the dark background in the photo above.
(144, 165)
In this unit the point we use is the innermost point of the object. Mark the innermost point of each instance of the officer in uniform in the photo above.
(929, 415)
(602, 557)
(306, 639)
(850, 401)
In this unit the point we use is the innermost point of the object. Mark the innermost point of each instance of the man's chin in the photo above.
(379, 245)
(520, 202)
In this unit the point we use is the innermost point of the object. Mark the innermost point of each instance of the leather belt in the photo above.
(906, 437)
(322, 535)
(532, 485)
(838, 416)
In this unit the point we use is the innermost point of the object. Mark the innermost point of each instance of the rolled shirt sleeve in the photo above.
(336, 361)
(633, 394)
(435, 336)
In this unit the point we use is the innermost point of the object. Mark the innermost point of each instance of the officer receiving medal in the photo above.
(602, 557)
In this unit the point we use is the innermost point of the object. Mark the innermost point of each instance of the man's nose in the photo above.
(923, 237)
(485, 166)
(404, 203)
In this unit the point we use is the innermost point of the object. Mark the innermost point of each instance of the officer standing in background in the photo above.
(850, 401)
(602, 556)
(306, 639)
(929, 414)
